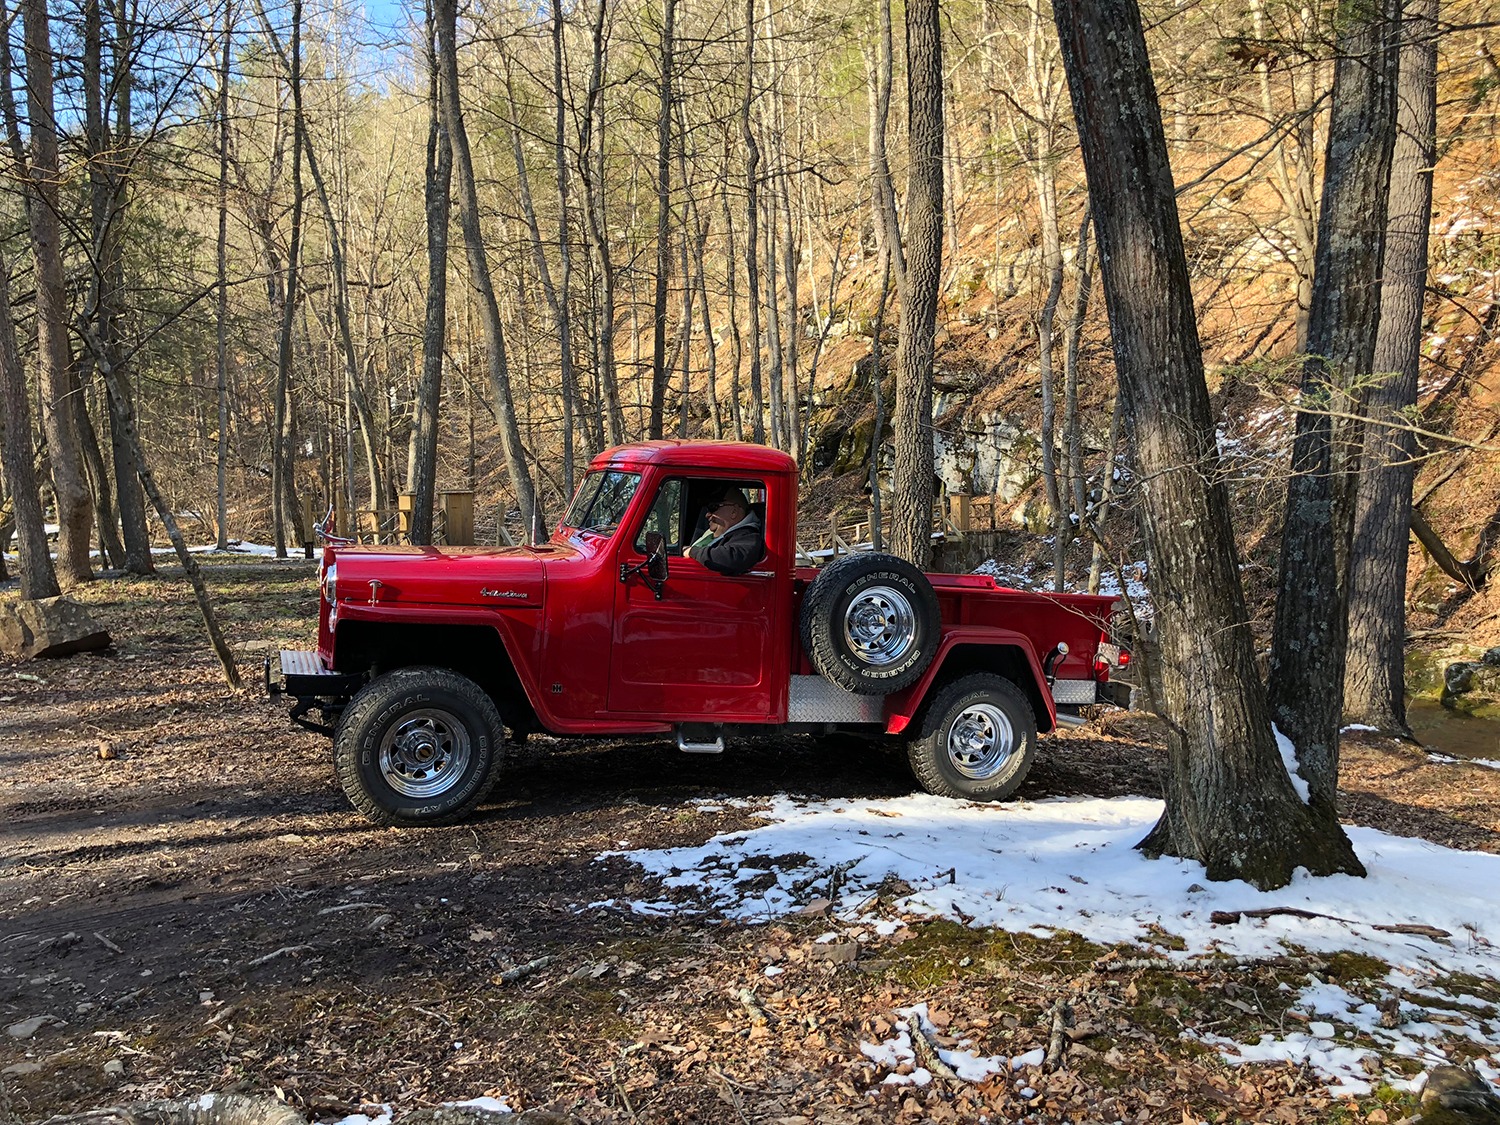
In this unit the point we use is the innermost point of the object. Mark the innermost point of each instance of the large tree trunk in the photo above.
(111, 263)
(479, 268)
(1310, 634)
(1230, 803)
(38, 580)
(1375, 679)
(912, 488)
(75, 512)
(438, 196)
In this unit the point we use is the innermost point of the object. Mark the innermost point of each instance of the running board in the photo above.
(691, 746)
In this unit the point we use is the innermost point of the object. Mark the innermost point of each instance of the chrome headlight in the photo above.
(331, 583)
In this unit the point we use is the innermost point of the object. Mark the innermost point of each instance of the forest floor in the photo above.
(204, 911)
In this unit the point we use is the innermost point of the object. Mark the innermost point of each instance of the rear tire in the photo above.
(870, 623)
(976, 741)
(418, 747)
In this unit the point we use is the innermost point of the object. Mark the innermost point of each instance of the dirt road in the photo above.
(200, 909)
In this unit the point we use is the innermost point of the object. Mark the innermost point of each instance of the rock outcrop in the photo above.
(49, 627)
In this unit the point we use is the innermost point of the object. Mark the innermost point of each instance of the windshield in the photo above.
(601, 500)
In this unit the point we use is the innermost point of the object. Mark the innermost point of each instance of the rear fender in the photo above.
(963, 650)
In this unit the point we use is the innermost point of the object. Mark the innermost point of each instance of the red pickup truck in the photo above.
(427, 655)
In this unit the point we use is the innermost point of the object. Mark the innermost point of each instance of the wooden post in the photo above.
(404, 503)
(458, 518)
(959, 510)
(310, 516)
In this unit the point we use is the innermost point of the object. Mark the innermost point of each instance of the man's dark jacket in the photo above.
(737, 550)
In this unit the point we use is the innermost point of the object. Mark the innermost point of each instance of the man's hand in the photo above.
(702, 541)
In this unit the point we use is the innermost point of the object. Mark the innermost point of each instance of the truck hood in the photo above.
(498, 577)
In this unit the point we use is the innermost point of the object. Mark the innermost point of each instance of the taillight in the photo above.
(1110, 656)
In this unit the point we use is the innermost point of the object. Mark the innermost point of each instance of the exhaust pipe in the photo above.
(1066, 720)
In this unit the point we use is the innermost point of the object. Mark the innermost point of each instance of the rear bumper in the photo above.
(300, 675)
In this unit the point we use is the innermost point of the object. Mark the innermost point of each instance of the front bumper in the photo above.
(300, 675)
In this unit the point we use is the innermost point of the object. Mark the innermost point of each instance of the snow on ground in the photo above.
(1446, 760)
(1071, 865)
(1026, 576)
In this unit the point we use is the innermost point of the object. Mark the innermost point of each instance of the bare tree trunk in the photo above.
(660, 368)
(1310, 633)
(221, 298)
(1375, 678)
(887, 225)
(731, 299)
(572, 405)
(592, 171)
(281, 452)
(75, 513)
(1073, 337)
(132, 439)
(479, 268)
(438, 196)
(111, 264)
(38, 580)
(1230, 802)
(752, 229)
(912, 489)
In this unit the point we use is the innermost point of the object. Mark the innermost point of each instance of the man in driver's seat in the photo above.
(735, 540)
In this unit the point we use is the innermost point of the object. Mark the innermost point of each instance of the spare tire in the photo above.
(870, 623)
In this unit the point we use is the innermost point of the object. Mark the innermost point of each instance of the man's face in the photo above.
(726, 515)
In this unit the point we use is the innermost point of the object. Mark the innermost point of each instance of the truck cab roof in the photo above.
(731, 455)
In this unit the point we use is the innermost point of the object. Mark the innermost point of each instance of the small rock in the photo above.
(115, 1068)
(1466, 1097)
(380, 921)
(108, 750)
(1491, 657)
(837, 952)
(20, 1068)
(27, 1028)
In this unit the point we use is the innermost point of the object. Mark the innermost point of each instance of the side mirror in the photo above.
(656, 556)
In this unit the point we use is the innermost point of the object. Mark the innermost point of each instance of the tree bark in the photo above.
(660, 367)
(75, 513)
(438, 197)
(479, 268)
(1375, 678)
(281, 451)
(1310, 633)
(752, 229)
(221, 298)
(1230, 804)
(912, 487)
(591, 168)
(38, 579)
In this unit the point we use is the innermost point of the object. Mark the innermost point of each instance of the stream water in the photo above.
(1457, 735)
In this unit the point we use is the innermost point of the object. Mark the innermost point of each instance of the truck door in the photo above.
(703, 651)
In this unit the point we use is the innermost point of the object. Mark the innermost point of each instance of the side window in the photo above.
(664, 516)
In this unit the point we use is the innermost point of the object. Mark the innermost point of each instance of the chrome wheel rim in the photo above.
(980, 741)
(425, 753)
(880, 625)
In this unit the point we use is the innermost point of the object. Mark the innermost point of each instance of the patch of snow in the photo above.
(1070, 865)
(1358, 726)
(894, 1053)
(1293, 765)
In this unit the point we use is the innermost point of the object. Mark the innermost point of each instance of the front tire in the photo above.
(418, 747)
(977, 740)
